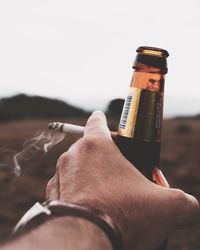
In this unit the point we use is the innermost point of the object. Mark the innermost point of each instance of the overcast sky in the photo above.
(82, 50)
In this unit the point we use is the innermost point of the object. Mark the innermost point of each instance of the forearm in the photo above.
(64, 233)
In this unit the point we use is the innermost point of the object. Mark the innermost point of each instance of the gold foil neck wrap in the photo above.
(142, 115)
(129, 113)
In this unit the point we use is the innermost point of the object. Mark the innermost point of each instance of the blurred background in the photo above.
(60, 60)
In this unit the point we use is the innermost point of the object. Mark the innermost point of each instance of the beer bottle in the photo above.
(139, 130)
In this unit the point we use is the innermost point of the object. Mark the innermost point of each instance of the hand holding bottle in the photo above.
(94, 173)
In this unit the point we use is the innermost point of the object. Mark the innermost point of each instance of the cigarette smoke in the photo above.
(41, 142)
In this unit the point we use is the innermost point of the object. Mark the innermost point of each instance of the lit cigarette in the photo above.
(68, 128)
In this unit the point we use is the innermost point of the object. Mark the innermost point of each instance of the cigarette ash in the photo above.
(11, 161)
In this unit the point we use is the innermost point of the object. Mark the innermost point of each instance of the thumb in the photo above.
(97, 125)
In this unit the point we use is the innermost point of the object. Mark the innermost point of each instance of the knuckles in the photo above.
(186, 200)
(187, 207)
(92, 143)
(89, 143)
(85, 149)
(63, 161)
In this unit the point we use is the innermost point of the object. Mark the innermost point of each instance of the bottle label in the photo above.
(142, 115)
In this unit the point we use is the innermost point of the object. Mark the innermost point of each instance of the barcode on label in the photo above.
(125, 112)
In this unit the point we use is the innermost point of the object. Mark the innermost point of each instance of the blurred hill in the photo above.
(23, 107)
(114, 108)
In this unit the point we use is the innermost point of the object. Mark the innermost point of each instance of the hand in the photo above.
(94, 173)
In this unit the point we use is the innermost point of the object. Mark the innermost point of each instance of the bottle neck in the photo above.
(143, 108)
(148, 80)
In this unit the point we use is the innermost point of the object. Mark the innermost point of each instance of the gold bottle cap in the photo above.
(152, 57)
(152, 51)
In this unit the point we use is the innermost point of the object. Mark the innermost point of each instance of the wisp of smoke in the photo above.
(42, 142)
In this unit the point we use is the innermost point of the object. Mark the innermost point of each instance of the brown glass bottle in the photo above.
(139, 131)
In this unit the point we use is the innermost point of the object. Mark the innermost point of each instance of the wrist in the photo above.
(63, 233)
(71, 233)
(53, 209)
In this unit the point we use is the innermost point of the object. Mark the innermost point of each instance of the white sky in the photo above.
(82, 50)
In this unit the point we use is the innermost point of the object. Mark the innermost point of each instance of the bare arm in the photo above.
(71, 233)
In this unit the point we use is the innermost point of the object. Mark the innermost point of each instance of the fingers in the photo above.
(97, 125)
